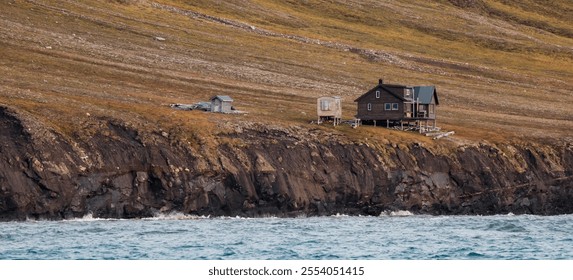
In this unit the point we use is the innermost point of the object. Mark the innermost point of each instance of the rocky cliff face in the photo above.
(256, 170)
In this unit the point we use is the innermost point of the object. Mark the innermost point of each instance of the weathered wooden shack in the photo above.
(221, 104)
(329, 108)
(398, 104)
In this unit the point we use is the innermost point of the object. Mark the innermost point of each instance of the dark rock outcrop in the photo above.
(258, 171)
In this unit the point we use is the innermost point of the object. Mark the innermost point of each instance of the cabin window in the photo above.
(324, 105)
(369, 106)
(408, 93)
(431, 108)
(387, 106)
(394, 106)
(377, 94)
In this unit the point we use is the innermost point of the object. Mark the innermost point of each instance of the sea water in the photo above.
(392, 236)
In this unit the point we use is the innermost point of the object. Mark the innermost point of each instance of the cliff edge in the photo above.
(250, 169)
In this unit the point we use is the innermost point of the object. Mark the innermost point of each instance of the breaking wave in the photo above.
(398, 213)
(175, 216)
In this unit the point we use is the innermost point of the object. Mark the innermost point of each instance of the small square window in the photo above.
(394, 106)
(324, 105)
(377, 94)
(387, 106)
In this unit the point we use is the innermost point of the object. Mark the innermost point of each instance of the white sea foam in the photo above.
(30, 220)
(338, 215)
(89, 217)
(398, 213)
(175, 216)
(159, 216)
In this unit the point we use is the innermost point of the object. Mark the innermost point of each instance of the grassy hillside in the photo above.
(503, 69)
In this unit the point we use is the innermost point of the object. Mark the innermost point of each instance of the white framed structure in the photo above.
(329, 108)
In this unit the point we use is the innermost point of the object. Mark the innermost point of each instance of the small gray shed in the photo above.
(221, 104)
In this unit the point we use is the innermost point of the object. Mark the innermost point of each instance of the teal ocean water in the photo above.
(392, 236)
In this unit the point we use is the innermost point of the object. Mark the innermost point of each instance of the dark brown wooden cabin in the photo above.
(396, 104)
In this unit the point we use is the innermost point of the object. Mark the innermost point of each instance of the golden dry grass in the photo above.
(502, 68)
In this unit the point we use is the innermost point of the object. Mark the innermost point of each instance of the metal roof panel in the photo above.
(424, 94)
(223, 98)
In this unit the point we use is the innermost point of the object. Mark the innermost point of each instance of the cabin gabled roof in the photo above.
(222, 98)
(382, 87)
(424, 94)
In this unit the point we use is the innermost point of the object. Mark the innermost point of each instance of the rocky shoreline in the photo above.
(256, 170)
